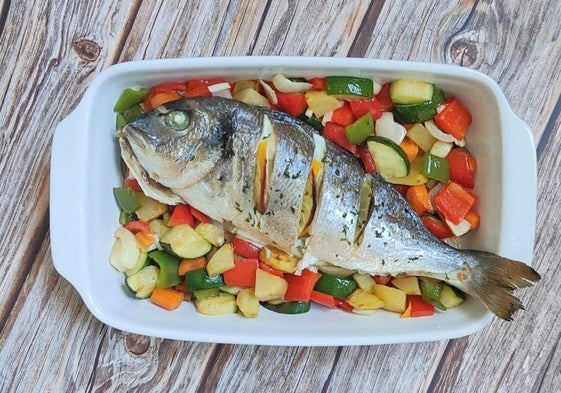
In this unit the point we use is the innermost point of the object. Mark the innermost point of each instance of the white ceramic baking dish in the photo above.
(83, 215)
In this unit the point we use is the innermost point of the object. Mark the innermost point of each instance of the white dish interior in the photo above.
(85, 168)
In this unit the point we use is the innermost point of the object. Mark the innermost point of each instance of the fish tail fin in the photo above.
(492, 279)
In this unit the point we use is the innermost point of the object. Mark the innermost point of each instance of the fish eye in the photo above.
(178, 120)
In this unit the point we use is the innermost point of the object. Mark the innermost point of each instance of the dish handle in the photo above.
(519, 190)
(68, 156)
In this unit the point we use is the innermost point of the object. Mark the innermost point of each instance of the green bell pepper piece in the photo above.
(360, 130)
(126, 199)
(130, 97)
(435, 167)
(168, 269)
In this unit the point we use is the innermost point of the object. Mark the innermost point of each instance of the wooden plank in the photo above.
(32, 105)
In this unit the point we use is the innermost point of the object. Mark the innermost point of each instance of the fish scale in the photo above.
(217, 151)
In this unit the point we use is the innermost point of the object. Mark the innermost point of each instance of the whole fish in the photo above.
(273, 180)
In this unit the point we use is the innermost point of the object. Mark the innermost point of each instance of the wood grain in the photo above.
(49, 54)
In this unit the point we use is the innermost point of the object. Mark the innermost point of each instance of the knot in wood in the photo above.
(137, 344)
(464, 52)
(87, 50)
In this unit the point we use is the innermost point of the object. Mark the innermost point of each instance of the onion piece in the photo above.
(220, 90)
(269, 92)
(376, 88)
(459, 229)
(285, 85)
(441, 135)
(386, 126)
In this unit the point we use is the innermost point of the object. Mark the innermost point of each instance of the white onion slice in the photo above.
(441, 135)
(269, 92)
(285, 85)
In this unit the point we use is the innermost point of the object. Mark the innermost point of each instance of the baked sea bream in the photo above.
(273, 180)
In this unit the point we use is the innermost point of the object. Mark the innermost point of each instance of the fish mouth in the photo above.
(148, 184)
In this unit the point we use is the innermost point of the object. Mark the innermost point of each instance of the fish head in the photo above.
(174, 145)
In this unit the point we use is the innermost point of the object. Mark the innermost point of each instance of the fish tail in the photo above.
(492, 279)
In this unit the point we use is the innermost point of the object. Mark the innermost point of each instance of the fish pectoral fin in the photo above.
(492, 279)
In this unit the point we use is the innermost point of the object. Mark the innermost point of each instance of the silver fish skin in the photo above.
(211, 164)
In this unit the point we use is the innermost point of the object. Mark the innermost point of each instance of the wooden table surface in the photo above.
(51, 50)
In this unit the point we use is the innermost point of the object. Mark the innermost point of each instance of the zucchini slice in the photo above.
(389, 157)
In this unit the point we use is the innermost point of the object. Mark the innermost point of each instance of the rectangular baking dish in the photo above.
(84, 215)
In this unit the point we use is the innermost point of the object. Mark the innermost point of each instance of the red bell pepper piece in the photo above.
(168, 86)
(454, 202)
(454, 119)
(318, 84)
(270, 269)
(136, 226)
(242, 274)
(363, 106)
(336, 133)
(244, 248)
(181, 214)
(367, 159)
(199, 216)
(324, 299)
(462, 167)
(345, 305)
(199, 87)
(292, 103)
(300, 287)
(384, 98)
(343, 115)
(437, 227)
(419, 307)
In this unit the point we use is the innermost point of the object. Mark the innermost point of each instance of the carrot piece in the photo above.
(419, 199)
(162, 98)
(144, 240)
(167, 298)
(473, 218)
(410, 148)
(187, 265)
